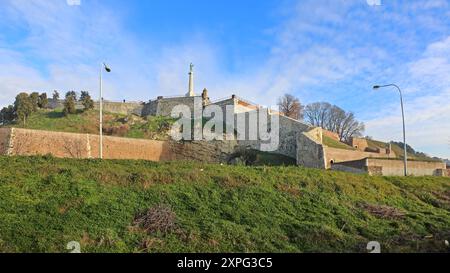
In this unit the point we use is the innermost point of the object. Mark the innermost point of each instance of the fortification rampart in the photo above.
(124, 108)
(391, 167)
(5, 134)
(335, 155)
(26, 142)
(310, 151)
(396, 167)
(287, 136)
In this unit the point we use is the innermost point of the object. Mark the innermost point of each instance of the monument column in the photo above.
(191, 82)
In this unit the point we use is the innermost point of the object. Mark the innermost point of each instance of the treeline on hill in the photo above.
(323, 114)
(25, 104)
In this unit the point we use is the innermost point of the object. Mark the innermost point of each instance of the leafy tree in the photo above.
(69, 104)
(23, 107)
(34, 98)
(43, 101)
(72, 94)
(55, 95)
(7, 115)
(290, 106)
(86, 100)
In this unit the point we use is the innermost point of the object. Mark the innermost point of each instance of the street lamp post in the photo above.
(404, 127)
(107, 69)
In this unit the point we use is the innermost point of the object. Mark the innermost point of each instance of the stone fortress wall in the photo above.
(4, 140)
(389, 167)
(296, 139)
(311, 152)
(125, 108)
(24, 142)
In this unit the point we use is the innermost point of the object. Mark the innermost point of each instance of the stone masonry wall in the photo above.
(26, 142)
(310, 151)
(4, 140)
(288, 131)
(415, 168)
(165, 105)
(359, 143)
(69, 145)
(391, 167)
(124, 108)
(212, 151)
(336, 155)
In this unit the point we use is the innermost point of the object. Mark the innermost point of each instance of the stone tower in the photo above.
(191, 82)
(205, 98)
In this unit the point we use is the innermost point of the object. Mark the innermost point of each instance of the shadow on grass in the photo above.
(55, 114)
(60, 114)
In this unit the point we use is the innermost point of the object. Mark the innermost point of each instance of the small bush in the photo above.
(69, 106)
(120, 130)
(160, 218)
(247, 156)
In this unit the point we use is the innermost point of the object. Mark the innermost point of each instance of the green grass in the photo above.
(332, 143)
(46, 203)
(374, 144)
(272, 159)
(399, 151)
(87, 123)
(56, 121)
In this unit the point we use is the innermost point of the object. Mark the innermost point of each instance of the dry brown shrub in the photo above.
(290, 189)
(160, 218)
(384, 212)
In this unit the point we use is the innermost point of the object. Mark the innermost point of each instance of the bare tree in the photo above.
(350, 127)
(334, 119)
(290, 106)
(317, 113)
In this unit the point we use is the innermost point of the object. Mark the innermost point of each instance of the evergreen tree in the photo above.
(23, 107)
(7, 115)
(34, 98)
(72, 94)
(55, 95)
(43, 101)
(69, 104)
(86, 100)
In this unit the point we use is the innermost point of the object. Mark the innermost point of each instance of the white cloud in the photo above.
(428, 110)
(319, 44)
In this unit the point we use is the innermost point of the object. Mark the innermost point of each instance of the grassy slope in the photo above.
(87, 122)
(399, 151)
(328, 141)
(48, 202)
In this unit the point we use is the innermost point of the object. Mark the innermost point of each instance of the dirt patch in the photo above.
(290, 189)
(443, 196)
(384, 212)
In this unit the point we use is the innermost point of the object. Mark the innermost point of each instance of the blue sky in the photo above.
(318, 50)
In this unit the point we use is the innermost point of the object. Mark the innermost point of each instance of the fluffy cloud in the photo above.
(427, 108)
(322, 50)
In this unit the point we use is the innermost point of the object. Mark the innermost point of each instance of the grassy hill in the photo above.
(330, 142)
(87, 123)
(399, 151)
(137, 206)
